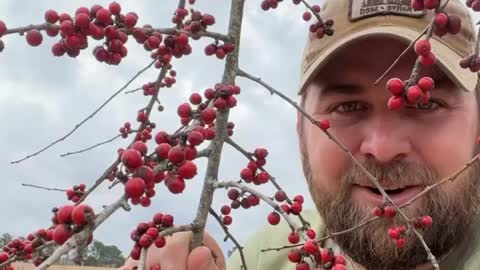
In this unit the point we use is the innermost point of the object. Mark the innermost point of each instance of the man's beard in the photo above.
(370, 245)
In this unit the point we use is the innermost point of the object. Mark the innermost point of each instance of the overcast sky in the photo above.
(43, 97)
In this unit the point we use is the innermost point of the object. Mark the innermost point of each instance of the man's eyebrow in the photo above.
(332, 89)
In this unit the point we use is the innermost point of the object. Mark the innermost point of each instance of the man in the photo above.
(406, 149)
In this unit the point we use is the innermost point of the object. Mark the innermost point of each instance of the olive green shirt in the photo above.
(466, 256)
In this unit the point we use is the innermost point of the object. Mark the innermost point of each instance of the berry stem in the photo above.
(142, 262)
(229, 235)
(96, 145)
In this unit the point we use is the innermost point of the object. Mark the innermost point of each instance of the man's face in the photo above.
(406, 150)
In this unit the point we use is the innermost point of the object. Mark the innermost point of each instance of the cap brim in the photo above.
(447, 59)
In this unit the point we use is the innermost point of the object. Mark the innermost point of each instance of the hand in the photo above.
(175, 255)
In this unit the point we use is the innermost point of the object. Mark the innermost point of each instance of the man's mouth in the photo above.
(399, 194)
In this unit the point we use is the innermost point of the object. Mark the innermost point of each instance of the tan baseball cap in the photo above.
(355, 19)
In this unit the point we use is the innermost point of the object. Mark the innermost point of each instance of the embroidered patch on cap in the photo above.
(360, 9)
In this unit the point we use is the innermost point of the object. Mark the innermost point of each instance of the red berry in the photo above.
(431, 4)
(339, 267)
(184, 110)
(114, 8)
(260, 153)
(162, 150)
(426, 84)
(311, 234)
(220, 53)
(422, 47)
(167, 220)
(395, 102)
(296, 208)
(395, 86)
(176, 154)
(414, 93)
(130, 20)
(190, 152)
(302, 266)
(153, 42)
(160, 242)
(299, 199)
(389, 211)
(34, 37)
(140, 147)
(146, 173)
(208, 115)
(233, 194)
(103, 16)
(428, 60)
(208, 19)
(135, 187)
(195, 98)
(187, 170)
(161, 137)
(61, 234)
(145, 241)
(454, 24)
(378, 211)
(316, 8)
(51, 16)
(427, 221)
(294, 255)
(394, 233)
(417, 4)
(246, 174)
(340, 260)
(80, 214)
(324, 124)
(82, 20)
(175, 185)
(273, 218)
(132, 158)
(400, 243)
(227, 220)
(195, 138)
(307, 16)
(225, 210)
(441, 20)
(293, 238)
(64, 214)
(280, 196)
(3, 257)
(310, 247)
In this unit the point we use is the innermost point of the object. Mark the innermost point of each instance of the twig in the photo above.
(402, 54)
(93, 146)
(266, 199)
(40, 187)
(229, 235)
(133, 90)
(272, 179)
(143, 259)
(89, 117)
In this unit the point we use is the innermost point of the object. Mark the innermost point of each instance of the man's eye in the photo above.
(349, 107)
(431, 105)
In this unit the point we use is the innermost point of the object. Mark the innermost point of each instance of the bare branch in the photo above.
(229, 235)
(143, 259)
(40, 187)
(88, 117)
(91, 147)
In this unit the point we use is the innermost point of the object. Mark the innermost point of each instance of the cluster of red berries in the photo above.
(320, 29)
(252, 173)
(147, 233)
(226, 218)
(96, 22)
(127, 127)
(423, 222)
(70, 219)
(76, 192)
(386, 210)
(198, 22)
(296, 207)
(446, 24)
(323, 257)
(474, 4)
(397, 233)
(424, 50)
(242, 199)
(417, 93)
(220, 51)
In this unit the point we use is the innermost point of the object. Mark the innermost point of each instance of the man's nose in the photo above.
(386, 139)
